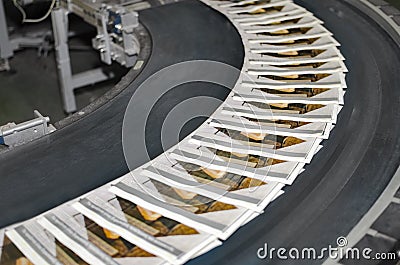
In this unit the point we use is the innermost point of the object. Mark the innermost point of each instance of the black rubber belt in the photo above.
(88, 153)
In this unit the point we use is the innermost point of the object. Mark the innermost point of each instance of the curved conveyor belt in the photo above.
(77, 158)
(328, 199)
(356, 163)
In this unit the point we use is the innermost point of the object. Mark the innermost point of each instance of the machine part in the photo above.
(6, 49)
(30, 20)
(115, 40)
(4, 65)
(329, 174)
(297, 142)
(68, 81)
(357, 162)
(143, 57)
(39, 40)
(164, 43)
(17, 134)
(115, 24)
(9, 45)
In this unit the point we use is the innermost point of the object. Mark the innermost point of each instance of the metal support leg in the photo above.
(6, 50)
(60, 30)
(69, 82)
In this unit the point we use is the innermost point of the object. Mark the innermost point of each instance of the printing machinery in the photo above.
(81, 170)
(116, 39)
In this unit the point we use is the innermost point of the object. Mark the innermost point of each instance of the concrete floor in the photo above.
(32, 82)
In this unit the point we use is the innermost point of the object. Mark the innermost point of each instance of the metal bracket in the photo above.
(68, 81)
(37, 40)
(115, 38)
(17, 134)
(8, 45)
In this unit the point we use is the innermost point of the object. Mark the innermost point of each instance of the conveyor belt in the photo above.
(78, 157)
(330, 188)
(357, 161)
